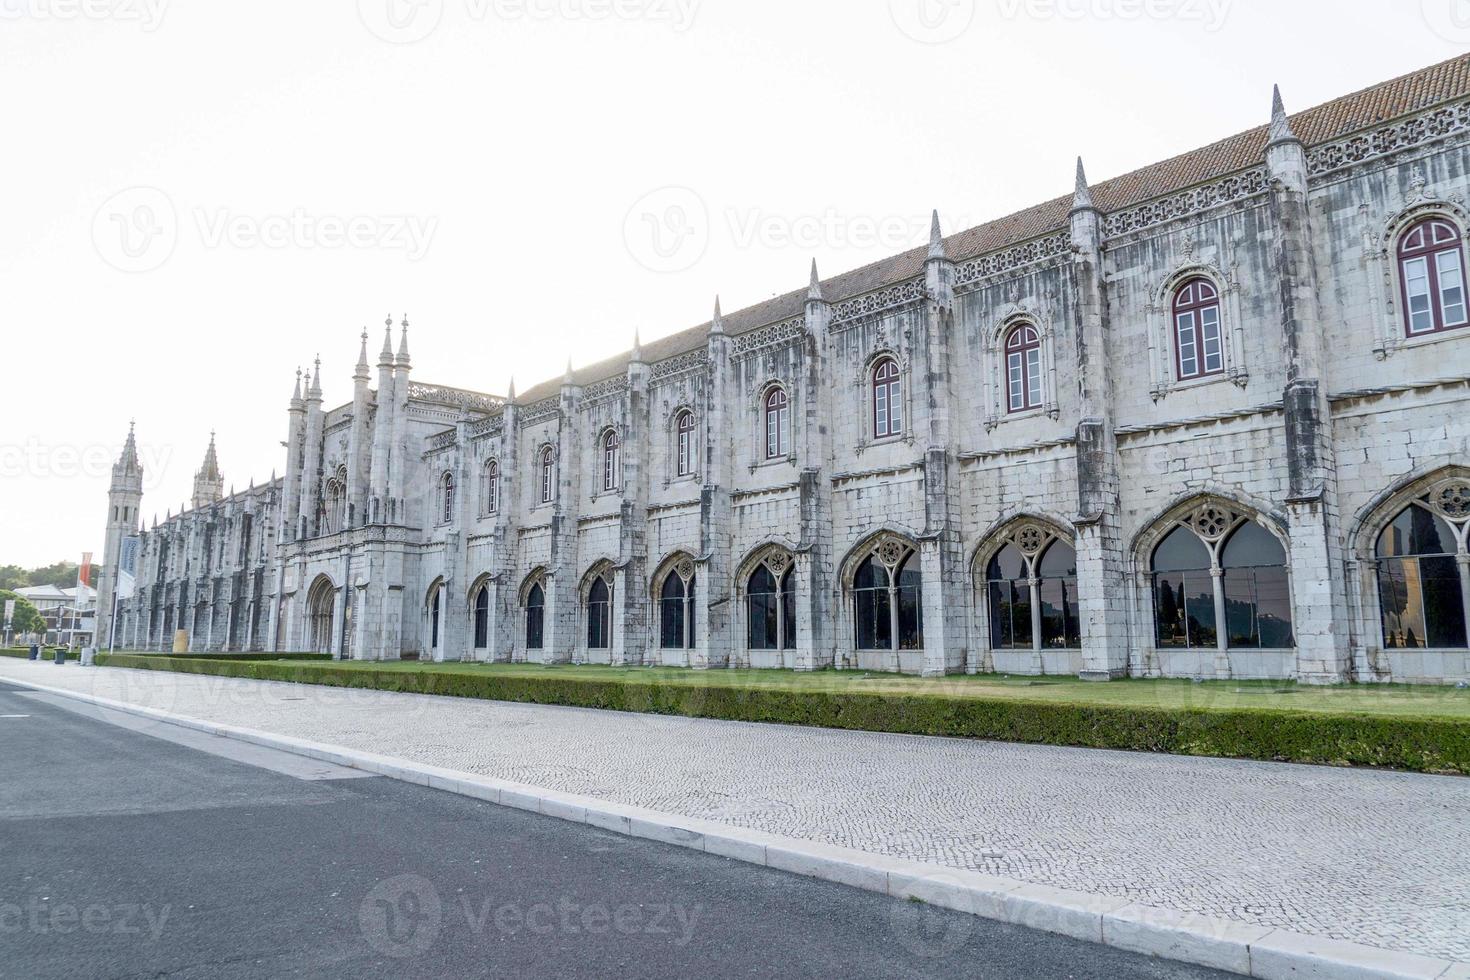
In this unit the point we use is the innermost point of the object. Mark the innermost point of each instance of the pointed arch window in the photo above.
(1432, 271)
(1023, 368)
(770, 597)
(1199, 344)
(684, 442)
(535, 617)
(611, 460)
(888, 599)
(887, 399)
(599, 614)
(490, 487)
(676, 608)
(548, 475)
(1031, 585)
(1221, 582)
(434, 619)
(778, 421)
(1424, 573)
(446, 498)
(482, 617)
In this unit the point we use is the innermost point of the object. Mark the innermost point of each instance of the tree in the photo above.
(27, 619)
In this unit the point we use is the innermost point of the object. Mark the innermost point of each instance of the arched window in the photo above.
(1023, 368)
(482, 617)
(599, 614)
(1031, 585)
(434, 619)
(535, 617)
(490, 487)
(321, 608)
(770, 597)
(1198, 343)
(1432, 268)
(548, 475)
(1253, 598)
(446, 498)
(888, 599)
(610, 461)
(778, 419)
(684, 439)
(887, 399)
(1422, 585)
(676, 609)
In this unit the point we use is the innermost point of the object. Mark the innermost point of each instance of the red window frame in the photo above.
(1023, 369)
(684, 439)
(610, 447)
(778, 417)
(887, 389)
(1195, 299)
(1428, 241)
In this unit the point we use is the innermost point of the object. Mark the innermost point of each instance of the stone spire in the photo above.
(814, 291)
(511, 396)
(637, 356)
(208, 483)
(128, 463)
(567, 378)
(296, 395)
(361, 374)
(717, 325)
(403, 359)
(936, 238)
(314, 390)
(1280, 125)
(385, 357)
(1082, 197)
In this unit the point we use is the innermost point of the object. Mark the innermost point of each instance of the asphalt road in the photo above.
(176, 854)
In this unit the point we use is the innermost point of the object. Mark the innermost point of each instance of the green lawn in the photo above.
(1389, 700)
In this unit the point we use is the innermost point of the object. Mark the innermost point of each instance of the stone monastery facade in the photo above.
(1208, 419)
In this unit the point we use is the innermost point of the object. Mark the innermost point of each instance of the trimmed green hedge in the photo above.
(235, 656)
(47, 653)
(1417, 744)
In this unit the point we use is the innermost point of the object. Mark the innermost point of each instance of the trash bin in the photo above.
(35, 652)
(61, 655)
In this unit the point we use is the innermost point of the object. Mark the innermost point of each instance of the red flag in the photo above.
(84, 573)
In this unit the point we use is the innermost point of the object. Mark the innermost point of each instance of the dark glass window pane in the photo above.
(1182, 550)
(871, 575)
(1059, 613)
(1169, 610)
(1252, 546)
(1002, 637)
(1060, 561)
(910, 605)
(762, 620)
(1444, 608)
(689, 615)
(788, 610)
(482, 619)
(1402, 604)
(535, 608)
(673, 587)
(874, 625)
(1006, 565)
(671, 623)
(1199, 609)
(1416, 532)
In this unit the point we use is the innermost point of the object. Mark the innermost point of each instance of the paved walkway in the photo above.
(1378, 858)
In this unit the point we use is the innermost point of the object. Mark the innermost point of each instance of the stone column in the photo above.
(1100, 576)
(1321, 614)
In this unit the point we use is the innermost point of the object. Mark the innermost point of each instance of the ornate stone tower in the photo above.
(209, 486)
(123, 499)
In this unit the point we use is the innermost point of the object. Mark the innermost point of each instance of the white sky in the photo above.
(522, 139)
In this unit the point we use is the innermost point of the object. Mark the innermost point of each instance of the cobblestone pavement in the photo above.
(1372, 857)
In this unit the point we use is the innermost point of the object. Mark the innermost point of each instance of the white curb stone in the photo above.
(1257, 951)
